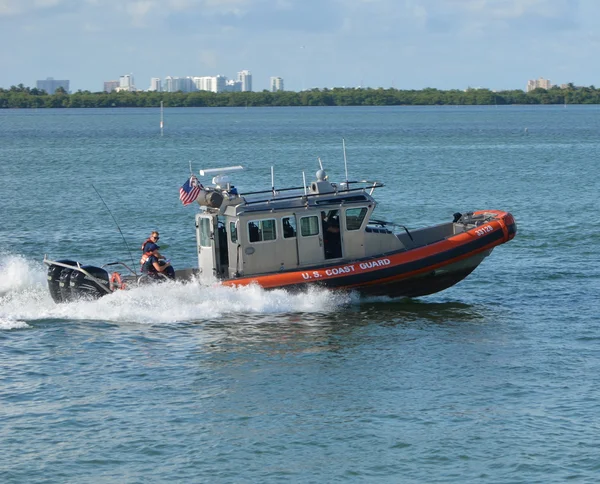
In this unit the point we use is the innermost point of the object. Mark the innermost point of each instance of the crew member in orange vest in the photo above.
(153, 267)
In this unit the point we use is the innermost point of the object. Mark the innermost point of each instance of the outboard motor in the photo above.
(54, 279)
(85, 287)
(64, 283)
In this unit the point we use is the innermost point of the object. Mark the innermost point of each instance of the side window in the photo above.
(205, 232)
(262, 230)
(268, 229)
(253, 232)
(309, 226)
(289, 227)
(233, 232)
(355, 217)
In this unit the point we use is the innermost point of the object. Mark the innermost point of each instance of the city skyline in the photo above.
(220, 83)
(495, 44)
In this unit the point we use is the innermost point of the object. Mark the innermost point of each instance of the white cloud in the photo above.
(138, 11)
(507, 9)
(20, 7)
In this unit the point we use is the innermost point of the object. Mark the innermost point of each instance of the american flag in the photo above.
(190, 190)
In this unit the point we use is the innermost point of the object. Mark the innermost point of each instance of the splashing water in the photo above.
(24, 297)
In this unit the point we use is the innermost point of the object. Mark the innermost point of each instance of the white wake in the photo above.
(24, 297)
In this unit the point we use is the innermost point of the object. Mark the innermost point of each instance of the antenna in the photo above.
(221, 171)
(120, 231)
(345, 161)
(320, 164)
(304, 182)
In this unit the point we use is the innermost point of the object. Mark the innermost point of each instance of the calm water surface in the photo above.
(495, 380)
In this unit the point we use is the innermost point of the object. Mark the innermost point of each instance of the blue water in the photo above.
(494, 380)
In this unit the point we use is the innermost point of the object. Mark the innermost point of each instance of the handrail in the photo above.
(117, 263)
(311, 195)
(375, 184)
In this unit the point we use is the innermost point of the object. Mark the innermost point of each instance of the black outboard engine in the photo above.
(64, 284)
(54, 279)
(82, 286)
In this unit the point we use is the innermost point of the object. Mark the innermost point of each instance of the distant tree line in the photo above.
(25, 97)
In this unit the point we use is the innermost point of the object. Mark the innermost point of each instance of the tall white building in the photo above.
(276, 84)
(541, 82)
(175, 84)
(210, 83)
(126, 83)
(203, 83)
(221, 83)
(246, 79)
(168, 84)
(155, 84)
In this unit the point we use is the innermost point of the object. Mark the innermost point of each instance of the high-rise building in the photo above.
(155, 84)
(246, 79)
(221, 82)
(233, 86)
(110, 86)
(126, 83)
(175, 84)
(168, 84)
(210, 83)
(276, 84)
(50, 85)
(541, 82)
(205, 83)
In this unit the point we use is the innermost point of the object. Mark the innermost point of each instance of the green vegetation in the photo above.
(25, 97)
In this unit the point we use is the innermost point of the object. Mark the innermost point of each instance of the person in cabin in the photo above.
(155, 268)
(288, 230)
(332, 241)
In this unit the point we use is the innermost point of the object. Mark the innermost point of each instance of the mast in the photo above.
(162, 124)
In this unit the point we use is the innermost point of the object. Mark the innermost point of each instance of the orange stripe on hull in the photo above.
(336, 274)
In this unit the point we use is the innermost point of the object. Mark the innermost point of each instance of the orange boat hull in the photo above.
(406, 273)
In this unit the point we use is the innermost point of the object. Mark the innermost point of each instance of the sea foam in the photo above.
(24, 297)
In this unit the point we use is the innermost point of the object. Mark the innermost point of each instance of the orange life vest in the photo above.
(145, 257)
(148, 241)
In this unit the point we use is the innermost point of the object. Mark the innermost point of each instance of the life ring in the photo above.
(116, 282)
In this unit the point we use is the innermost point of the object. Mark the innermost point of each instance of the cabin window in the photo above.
(205, 232)
(355, 217)
(262, 230)
(233, 232)
(309, 226)
(289, 227)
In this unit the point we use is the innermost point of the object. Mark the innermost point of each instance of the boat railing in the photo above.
(118, 263)
(306, 196)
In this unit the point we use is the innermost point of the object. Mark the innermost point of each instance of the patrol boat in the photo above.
(320, 234)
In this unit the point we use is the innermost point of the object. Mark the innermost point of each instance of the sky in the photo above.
(404, 44)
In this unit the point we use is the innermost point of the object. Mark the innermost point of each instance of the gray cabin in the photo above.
(289, 229)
